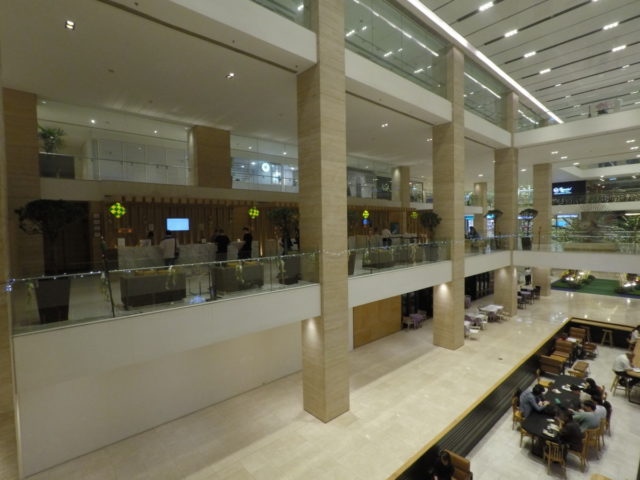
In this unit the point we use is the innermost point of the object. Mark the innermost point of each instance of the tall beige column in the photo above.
(448, 202)
(323, 213)
(401, 193)
(211, 152)
(22, 163)
(479, 220)
(8, 458)
(542, 222)
(506, 200)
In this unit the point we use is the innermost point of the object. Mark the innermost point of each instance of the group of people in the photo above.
(584, 413)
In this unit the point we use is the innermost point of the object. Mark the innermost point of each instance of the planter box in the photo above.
(227, 278)
(53, 299)
(150, 289)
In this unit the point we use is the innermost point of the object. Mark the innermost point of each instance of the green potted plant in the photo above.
(526, 216)
(494, 214)
(51, 138)
(285, 219)
(430, 220)
(48, 218)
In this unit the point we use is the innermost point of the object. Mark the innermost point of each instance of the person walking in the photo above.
(169, 247)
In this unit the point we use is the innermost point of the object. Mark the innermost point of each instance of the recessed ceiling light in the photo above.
(420, 70)
(485, 6)
(429, 139)
(523, 169)
(300, 7)
(93, 121)
(230, 75)
(631, 140)
(349, 33)
(611, 25)
(567, 96)
(367, 166)
(284, 153)
(481, 174)
(555, 152)
(529, 54)
(618, 48)
(634, 92)
(625, 66)
(388, 53)
(564, 157)
(558, 85)
(44, 102)
(634, 148)
(252, 163)
(511, 33)
(575, 164)
(70, 25)
(631, 80)
(155, 131)
(384, 125)
(546, 70)
(250, 147)
(364, 27)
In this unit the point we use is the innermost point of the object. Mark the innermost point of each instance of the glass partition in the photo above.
(295, 10)
(387, 35)
(483, 94)
(609, 241)
(40, 303)
(373, 259)
(529, 119)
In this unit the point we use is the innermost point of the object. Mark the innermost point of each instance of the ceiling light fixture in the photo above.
(429, 139)
(155, 131)
(611, 25)
(485, 6)
(555, 152)
(529, 54)
(349, 33)
(634, 148)
(384, 125)
(93, 121)
(632, 140)
(481, 174)
(418, 5)
(564, 157)
(420, 70)
(70, 25)
(230, 75)
(523, 169)
(364, 27)
(300, 7)
(511, 33)
(387, 54)
(546, 70)
(558, 85)
(625, 66)
(575, 164)
(618, 48)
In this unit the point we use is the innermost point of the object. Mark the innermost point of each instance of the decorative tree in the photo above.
(286, 220)
(430, 220)
(527, 215)
(51, 138)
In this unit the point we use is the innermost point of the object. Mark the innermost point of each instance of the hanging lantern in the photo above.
(365, 214)
(253, 212)
(117, 210)
(414, 215)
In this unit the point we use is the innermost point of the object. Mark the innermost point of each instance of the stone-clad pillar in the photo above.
(448, 203)
(22, 163)
(323, 212)
(542, 223)
(479, 220)
(211, 152)
(506, 200)
(8, 459)
(401, 193)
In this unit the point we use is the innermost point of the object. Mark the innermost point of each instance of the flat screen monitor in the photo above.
(177, 224)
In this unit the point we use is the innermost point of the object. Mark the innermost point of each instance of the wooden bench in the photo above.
(554, 366)
(461, 465)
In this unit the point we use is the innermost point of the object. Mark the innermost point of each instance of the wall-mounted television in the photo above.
(177, 224)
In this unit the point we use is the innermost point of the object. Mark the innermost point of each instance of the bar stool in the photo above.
(607, 336)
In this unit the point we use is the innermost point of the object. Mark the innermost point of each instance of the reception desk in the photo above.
(144, 257)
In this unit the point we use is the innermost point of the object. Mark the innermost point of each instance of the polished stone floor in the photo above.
(404, 392)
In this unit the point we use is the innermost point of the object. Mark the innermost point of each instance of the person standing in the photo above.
(169, 247)
(386, 237)
(527, 276)
(247, 238)
(222, 245)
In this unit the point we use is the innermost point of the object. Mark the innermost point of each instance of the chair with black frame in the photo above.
(554, 452)
(516, 414)
(521, 302)
(536, 292)
(581, 454)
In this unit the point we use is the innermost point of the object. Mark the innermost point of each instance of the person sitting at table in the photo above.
(622, 366)
(443, 469)
(574, 402)
(633, 337)
(531, 400)
(570, 433)
(600, 410)
(592, 389)
(587, 418)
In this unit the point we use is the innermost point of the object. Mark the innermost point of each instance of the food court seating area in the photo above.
(527, 294)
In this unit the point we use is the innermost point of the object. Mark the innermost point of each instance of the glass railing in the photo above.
(483, 94)
(95, 168)
(365, 261)
(613, 241)
(486, 245)
(295, 10)
(597, 198)
(40, 303)
(390, 37)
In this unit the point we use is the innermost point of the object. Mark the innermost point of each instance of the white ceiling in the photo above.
(119, 61)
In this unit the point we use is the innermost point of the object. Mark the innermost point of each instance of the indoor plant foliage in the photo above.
(430, 220)
(527, 215)
(286, 220)
(51, 138)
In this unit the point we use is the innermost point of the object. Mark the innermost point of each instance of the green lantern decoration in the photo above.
(365, 214)
(117, 210)
(253, 212)
(414, 215)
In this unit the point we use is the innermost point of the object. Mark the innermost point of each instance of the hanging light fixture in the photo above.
(117, 210)
(253, 212)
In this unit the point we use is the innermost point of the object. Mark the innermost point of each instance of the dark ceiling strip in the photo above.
(593, 90)
(546, 19)
(579, 60)
(586, 76)
(474, 12)
(146, 16)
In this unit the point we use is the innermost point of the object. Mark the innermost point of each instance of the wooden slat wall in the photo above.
(376, 320)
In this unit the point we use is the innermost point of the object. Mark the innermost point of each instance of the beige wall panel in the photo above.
(376, 320)
(212, 156)
(542, 223)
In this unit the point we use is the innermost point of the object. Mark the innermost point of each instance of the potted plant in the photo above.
(285, 219)
(430, 220)
(51, 138)
(527, 215)
(48, 218)
(494, 214)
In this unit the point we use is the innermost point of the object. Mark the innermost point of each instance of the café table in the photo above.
(478, 319)
(491, 308)
(541, 427)
(559, 392)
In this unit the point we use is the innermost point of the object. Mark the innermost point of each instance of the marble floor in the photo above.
(403, 393)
